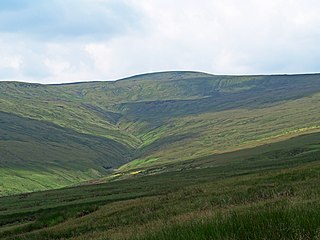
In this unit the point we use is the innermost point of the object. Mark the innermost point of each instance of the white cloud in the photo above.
(13, 62)
(222, 37)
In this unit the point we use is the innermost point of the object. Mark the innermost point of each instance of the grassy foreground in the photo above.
(259, 194)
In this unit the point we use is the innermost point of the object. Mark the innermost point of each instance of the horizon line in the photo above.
(157, 72)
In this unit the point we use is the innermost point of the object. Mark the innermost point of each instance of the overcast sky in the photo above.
(74, 40)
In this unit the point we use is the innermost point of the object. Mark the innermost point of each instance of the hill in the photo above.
(58, 135)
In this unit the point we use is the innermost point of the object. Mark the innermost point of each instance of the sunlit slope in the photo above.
(192, 136)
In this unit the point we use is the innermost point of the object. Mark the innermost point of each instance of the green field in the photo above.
(53, 136)
(266, 192)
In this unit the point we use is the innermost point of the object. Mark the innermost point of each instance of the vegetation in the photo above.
(266, 192)
(52, 136)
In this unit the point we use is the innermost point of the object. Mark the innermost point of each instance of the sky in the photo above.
(61, 41)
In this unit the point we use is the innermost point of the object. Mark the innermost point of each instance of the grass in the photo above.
(268, 192)
(276, 222)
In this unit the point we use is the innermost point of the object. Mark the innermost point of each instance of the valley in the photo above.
(54, 136)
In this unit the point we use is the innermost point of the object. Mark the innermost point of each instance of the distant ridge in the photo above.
(168, 75)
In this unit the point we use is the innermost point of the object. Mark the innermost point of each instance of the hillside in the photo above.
(58, 135)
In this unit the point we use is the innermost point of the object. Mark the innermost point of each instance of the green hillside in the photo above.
(58, 135)
(37, 155)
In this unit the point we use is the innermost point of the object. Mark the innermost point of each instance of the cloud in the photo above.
(64, 41)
